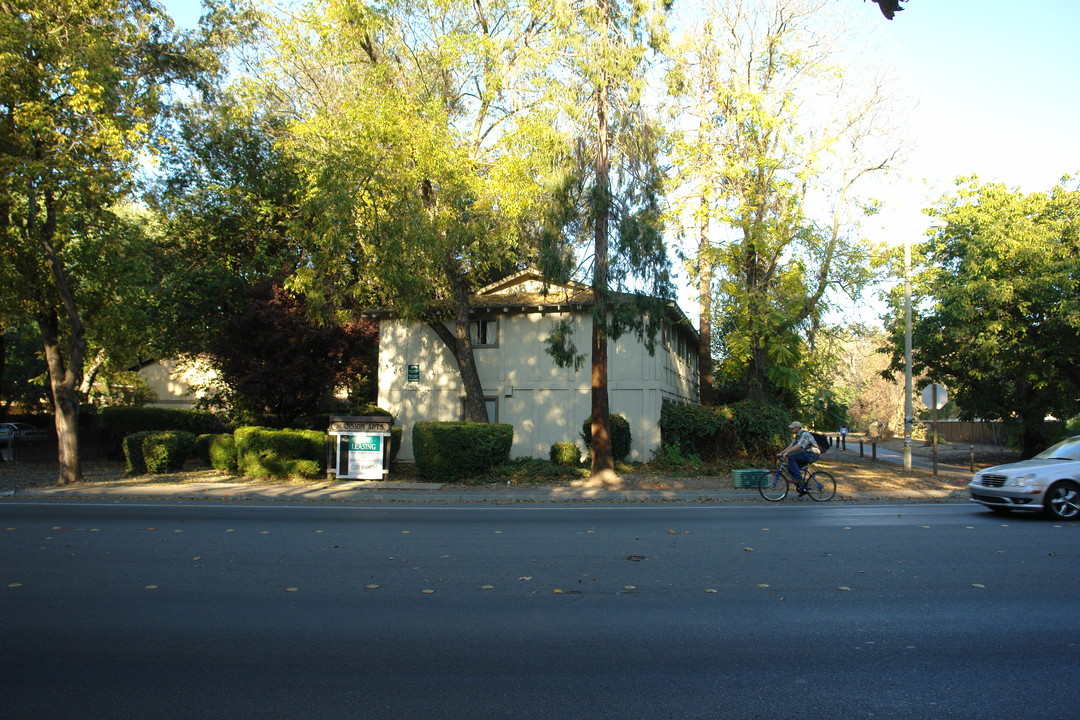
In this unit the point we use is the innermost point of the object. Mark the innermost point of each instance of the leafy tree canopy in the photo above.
(273, 359)
(997, 304)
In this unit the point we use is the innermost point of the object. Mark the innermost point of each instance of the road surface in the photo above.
(799, 610)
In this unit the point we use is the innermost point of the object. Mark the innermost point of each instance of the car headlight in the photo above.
(1022, 481)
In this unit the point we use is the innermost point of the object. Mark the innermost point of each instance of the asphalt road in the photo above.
(799, 610)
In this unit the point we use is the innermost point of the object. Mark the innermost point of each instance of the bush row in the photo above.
(252, 451)
(746, 429)
(443, 450)
(257, 452)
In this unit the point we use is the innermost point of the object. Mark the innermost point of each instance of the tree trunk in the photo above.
(460, 345)
(91, 372)
(603, 460)
(757, 380)
(64, 375)
(65, 391)
(705, 364)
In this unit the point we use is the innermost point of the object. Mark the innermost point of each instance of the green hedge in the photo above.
(280, 454)
(217, 450)
(158, 452)
(133, 453)
(167, 451)
(621, 439)
(116, 422)
(746, 429)
(456, 450)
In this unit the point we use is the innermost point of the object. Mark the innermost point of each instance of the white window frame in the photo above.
(484, 333)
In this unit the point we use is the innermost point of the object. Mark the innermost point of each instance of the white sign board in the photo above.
(365, 457)
(928, 396)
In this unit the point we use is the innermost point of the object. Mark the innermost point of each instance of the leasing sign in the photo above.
(361, 457)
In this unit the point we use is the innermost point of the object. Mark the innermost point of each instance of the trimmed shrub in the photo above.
(621, 439)
(280, 454)
(447, 451)
(565, 453)
(218, 451)
(157, 452)
(133, 453)
(167, 451)
(395, 442)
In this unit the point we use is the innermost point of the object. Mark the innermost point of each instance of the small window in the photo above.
(484, 333)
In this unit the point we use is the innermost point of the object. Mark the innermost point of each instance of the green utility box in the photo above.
(747, 478)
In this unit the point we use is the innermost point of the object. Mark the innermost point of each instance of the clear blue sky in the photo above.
(999, 82)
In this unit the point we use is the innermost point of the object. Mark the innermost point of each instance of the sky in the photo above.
(996, 83)
(996, 89)
(997, 86)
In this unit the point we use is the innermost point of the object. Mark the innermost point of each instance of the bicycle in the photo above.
(775, 485)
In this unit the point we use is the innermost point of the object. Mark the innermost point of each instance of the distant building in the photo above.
(176, 384)
(419, 379)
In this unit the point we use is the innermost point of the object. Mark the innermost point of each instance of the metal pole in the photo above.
(908, 419)
(934, 424)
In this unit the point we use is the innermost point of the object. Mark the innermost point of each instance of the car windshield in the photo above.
(1064, 450)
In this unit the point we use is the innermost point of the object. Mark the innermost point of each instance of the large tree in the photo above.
(612, 201)
(420, 131)
(777, 131)
(231, 206)
(80, 88)
(996, 314)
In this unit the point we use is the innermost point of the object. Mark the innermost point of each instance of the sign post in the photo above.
(934, 396)
(358, 447)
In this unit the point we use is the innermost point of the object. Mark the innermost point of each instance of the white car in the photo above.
(23, 431)
(1048, 482)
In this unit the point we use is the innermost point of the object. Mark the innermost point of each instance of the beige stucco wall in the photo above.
(545, 404)
(175, 383)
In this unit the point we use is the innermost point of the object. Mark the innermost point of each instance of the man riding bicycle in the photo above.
(802, 451)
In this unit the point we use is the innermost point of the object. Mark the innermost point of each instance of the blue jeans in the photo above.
(798, 460)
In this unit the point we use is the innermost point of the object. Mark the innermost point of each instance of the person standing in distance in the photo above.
(802, 451)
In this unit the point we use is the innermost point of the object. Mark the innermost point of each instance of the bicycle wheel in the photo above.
(773, 486)
(821, 486)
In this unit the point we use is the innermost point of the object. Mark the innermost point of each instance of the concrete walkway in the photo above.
(420, 492)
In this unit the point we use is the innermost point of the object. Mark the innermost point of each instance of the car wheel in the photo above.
(1063, 501)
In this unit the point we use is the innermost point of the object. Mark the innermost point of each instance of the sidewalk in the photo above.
(420, 492)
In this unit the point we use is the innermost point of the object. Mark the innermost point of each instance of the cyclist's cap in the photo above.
(795, 426)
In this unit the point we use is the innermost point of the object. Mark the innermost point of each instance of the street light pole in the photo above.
(908, 419)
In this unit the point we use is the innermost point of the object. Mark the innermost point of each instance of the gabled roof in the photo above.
(526, 291)
(527, 287)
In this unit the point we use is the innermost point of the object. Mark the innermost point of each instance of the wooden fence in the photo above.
(981, 432)
(45, 451)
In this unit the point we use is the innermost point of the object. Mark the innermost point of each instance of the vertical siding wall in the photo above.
(545, 403)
